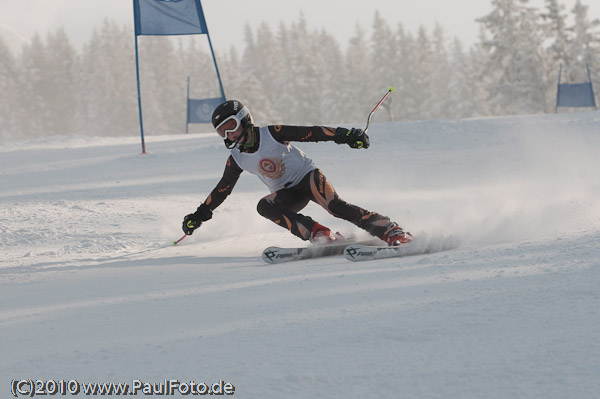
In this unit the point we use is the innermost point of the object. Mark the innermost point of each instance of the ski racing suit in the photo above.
(293, 180)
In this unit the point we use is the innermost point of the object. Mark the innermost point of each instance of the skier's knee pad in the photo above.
(264, 207)
(337, 207)
(341, 209)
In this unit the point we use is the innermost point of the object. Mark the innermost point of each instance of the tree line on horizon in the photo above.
(293, 75)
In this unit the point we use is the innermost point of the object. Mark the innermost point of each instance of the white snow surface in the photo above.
(92, 290)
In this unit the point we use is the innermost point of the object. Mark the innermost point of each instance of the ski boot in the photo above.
(395, 236)
(321, 235)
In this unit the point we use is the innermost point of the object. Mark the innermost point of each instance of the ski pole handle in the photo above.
(390, 91)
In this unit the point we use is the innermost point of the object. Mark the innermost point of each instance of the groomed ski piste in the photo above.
(91, 289)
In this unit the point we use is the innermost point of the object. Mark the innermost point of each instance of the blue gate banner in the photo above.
(168, 17)
(200, 111)
(575, 95)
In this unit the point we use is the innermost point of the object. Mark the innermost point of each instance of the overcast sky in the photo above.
(226, 19)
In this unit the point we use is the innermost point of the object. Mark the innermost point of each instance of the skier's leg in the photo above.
(323, 193)
(282, 208)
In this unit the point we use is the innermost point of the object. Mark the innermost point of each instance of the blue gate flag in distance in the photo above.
(200, 111)
(168, 17)
(575, 95)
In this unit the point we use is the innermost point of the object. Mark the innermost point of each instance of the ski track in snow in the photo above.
(91, 289)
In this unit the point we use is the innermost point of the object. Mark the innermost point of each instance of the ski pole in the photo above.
(390, 90)
(181, 239)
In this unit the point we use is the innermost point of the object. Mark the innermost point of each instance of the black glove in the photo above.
(194, 220)
(355, 138)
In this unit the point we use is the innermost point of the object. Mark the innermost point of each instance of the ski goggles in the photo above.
(232, 123)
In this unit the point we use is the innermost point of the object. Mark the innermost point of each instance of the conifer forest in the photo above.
(288, 73)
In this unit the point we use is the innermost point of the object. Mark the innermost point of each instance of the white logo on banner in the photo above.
(203, 111)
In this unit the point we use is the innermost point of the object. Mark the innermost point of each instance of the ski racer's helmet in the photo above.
(228, 117)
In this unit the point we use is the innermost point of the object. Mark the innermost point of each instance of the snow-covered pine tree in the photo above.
(478, 60)
(329, 60)
(107, 84)
(358, 68)
(423, 74)
(384, 57)
(158, 86)
(585, 47)
(62, 65)
(514, 69)
(405, 101)
(441, 72)
(557, 47)
(198, 65)
(250, 90)
(271, 79)
(9, 90)
(461, 84)
(35, 89)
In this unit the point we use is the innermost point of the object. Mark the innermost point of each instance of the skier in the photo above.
(292, 178)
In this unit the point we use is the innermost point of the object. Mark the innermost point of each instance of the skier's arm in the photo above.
(285, 133)
(225, 186)
(231, 174)
(355, 138)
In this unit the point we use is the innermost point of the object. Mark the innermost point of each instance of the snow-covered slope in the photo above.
(91, 290)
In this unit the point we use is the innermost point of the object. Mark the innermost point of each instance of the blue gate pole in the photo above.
(137, 72)
(216, 67)
(591, 87)
(187, 104)
(558, 90)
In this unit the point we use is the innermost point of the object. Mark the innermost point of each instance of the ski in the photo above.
(419, 246)
(359, 252)
(281, 255)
